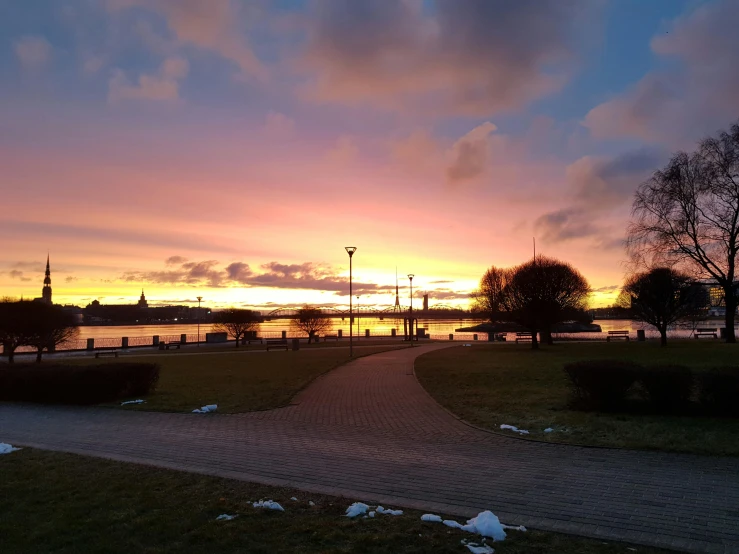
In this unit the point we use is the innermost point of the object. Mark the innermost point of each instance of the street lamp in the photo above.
(350, 250)
(410, 277)
(199, 299)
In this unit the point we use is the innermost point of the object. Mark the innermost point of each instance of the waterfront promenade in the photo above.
(368, 431)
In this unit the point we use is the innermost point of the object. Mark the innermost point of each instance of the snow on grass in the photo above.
(357, 509)
(479, 548)
(311, 503)
(387, 511)
(371, 514)
(269, 505)
(293, 498)
(431, 517)
(514, 527)
(487, 524)
(132, 402)
(208, 408)
(514, 429)
(6, 448)
(548, 430)
(226, 517)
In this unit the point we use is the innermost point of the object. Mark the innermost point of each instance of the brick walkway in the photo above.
(368, 431)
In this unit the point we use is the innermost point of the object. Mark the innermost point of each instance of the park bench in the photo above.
(332, 337)
(706, 332)
(103, 353)
(276, 343)
(249, 341)
(173, 345)
(617, 335)
(524, 336)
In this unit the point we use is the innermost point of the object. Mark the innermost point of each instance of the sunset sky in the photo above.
(232, 149)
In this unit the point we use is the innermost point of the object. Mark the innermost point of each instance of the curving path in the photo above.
(369, 431)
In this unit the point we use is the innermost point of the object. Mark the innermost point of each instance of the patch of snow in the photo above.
(431, 517)
(479, 549)
(293, 498)
(208, 408)
(6, 448)
(514, 527)
(514, 429)
(225, 517)
(381, 510)
(311, 503)
(269, 505)
(132, 402)
(466, 345)
(548, 430)
(371, 514)
(487, 524)
(356, 509)
(451, 523)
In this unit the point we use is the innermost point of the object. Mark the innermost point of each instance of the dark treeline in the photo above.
(36, 324)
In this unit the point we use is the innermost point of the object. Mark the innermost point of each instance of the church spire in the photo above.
(46, 291)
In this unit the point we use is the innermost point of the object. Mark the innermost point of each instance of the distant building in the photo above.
(425, 302)
(46, 291)
(142, 301)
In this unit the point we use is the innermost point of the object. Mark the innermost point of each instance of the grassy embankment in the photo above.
(63, 503)
(491, 385)
(238, 381)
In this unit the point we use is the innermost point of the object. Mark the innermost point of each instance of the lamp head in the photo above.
(411, 276)
(350, 250)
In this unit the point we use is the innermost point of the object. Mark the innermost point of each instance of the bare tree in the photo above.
(50, 326)
(687, 214)
(488, 299)
(310, 320)
(14, 326)
(237, 323)
(661, 297)
(542, 292)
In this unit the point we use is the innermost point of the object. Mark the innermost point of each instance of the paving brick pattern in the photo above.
(368, 431)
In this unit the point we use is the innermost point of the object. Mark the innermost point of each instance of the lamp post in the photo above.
(350, 250)
(199, 299)
(359, 311)
(410, 277)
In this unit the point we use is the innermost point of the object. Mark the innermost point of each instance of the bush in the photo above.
(668, 387)
(602, 384)
(72, 384)
(718, 391)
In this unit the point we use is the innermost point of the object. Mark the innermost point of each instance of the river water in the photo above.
(436, 328)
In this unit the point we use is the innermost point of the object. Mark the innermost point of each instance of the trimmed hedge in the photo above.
(602, 384)
(73, 384)
(719, 391)
(668, 388)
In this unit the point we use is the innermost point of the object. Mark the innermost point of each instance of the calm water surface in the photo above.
(438, 328)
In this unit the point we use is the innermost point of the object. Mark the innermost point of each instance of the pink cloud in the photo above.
(475, 57)
(677, 107)
(211, 25)
(162, 86)
(33, 52)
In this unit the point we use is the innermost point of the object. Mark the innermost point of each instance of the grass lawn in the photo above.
(491, 385)
(238, 381)
(63, 503)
